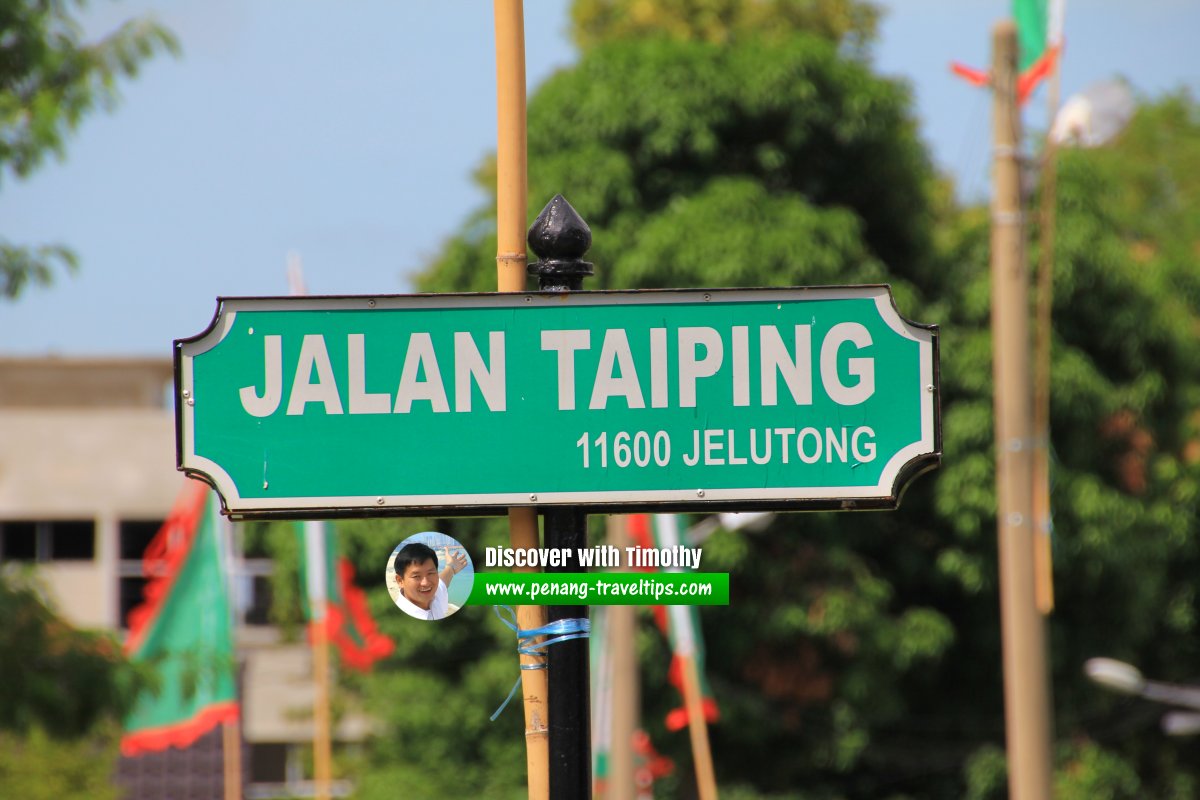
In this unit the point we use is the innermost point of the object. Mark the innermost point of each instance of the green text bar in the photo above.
(601, 589)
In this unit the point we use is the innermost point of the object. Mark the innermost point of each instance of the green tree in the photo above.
(861, 657)
(50, 79)
(853, 23)
(38, 766)
(786, 134)
(759, 162)
(432, 698)
(1125, 436)
(63, 693)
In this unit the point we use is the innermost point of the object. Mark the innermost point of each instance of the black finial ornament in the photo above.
(560, 237)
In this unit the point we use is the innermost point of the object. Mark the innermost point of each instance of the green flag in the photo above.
(1039, 36)
(183, 630)
(1031, 19)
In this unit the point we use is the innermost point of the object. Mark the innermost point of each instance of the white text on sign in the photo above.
(701, 355)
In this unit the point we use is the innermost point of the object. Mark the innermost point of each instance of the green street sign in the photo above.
(685, 400)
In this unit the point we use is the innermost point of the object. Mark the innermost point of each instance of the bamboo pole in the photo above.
(1026, 690)
(1043, 558)
(231, 757)
(511, 212)
(622, 636)
(512, 203)
(322, 744)
(706, 781)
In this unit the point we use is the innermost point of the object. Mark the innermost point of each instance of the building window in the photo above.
(71, 541)
(135, 536)
(18, 541)
(131, 595)
(48, 540)
(250, 581)
(268, 762)
(252, 591)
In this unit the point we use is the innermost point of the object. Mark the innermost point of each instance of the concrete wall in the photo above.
(86, 440)
(95, 440)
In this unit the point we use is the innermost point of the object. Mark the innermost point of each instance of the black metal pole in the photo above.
(568, 682)
(560, 237)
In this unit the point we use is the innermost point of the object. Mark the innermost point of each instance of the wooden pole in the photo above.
(1043, 558)
(622, 638)
(1026, 690)
(523, 533)
(322, 740)
(706, 781)
(511, 212)
(231, 757)
(511, 160)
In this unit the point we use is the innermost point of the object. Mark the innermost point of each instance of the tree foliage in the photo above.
(853, 23)
(1123, 399)
(759, 162)
(50, 79)
(38, 766)
(861, 655)
(645, 138)
(431, 699)
(62, 694)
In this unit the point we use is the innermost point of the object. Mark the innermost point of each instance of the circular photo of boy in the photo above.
(430, 575)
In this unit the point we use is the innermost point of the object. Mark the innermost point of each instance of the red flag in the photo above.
(1039, 29)
(640, 532)
(348, 621)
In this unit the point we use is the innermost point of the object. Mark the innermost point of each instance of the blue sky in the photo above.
(347, 132)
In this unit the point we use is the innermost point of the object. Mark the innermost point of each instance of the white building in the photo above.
(87, 475)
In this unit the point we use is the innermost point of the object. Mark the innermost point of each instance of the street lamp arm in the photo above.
(1115, 675)
(1173, 694)
(1128, 679)
(1181, 723)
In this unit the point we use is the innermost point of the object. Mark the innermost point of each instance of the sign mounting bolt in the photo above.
(379, 501)
(533, 497)
(699, 493)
